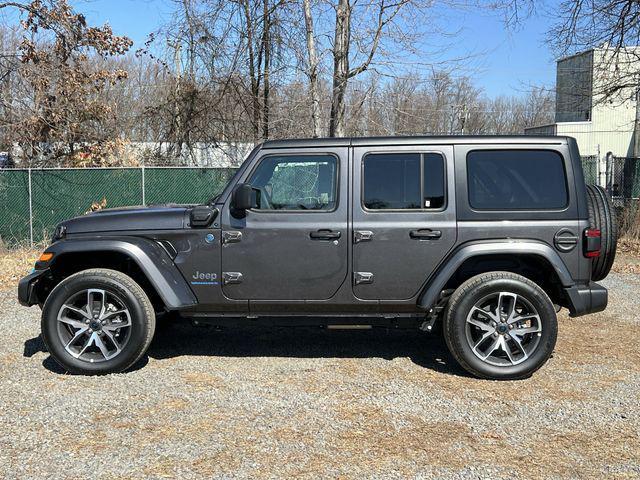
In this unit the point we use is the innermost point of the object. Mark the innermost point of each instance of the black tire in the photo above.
(128, 292)
(602, 217)
(483, 286)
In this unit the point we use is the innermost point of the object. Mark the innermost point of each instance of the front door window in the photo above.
(296, 182)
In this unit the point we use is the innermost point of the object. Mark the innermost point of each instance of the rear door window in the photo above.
(516, 180)
(403, 181)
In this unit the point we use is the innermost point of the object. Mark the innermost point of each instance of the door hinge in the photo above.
(231, 278)
(360, 278)
(362, 236)
(231, 236)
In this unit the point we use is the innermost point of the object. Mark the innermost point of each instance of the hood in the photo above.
(162, 217)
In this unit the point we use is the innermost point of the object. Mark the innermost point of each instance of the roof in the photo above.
(627, 48)
(414, 140)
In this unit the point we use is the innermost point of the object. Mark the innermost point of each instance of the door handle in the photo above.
(425, 234)
(324, 235)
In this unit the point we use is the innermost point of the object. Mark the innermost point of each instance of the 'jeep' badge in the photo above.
(204, 278)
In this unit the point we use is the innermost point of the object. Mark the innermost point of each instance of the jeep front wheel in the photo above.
(97, 321)
(500, 326)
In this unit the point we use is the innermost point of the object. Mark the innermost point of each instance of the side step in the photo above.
(349, 322)
(349, 327)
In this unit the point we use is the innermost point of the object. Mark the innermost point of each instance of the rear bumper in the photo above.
(27, 287)
(585, 299)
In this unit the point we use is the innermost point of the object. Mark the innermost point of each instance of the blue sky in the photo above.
(509, 64)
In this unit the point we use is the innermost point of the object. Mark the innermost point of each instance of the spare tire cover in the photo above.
(602, 217)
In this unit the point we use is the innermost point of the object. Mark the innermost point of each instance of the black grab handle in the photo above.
(324, 235)
(425, 234)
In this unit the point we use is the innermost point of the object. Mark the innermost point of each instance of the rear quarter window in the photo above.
(516, 180)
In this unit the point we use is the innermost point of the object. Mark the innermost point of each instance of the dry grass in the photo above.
(15, 264)
(629, 221)
(627, 256)
(629, 246)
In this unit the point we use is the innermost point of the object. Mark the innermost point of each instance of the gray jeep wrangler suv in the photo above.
(487, 237)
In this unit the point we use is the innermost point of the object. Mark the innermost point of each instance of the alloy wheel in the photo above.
(94, 325)
(503, 329)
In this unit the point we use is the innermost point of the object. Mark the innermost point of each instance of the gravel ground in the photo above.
(312, 403)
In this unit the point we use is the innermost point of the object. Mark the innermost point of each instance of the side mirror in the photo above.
(243, 198)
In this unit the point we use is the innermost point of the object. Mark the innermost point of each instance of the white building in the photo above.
(599, 126)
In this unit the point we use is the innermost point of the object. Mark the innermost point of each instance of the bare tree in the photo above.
(259, 20)
(62, 74)
(313, 67)
(612, 27)
(205, 78)
(342, 70)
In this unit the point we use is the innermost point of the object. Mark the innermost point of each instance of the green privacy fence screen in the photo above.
(33, 201)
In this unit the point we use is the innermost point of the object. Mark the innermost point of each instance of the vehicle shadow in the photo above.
(426, 350)
(179, 339)
(36, 345)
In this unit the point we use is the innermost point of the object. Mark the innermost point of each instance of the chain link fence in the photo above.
(590, 167)
(623, 177)
(33, 201)
(620, 176)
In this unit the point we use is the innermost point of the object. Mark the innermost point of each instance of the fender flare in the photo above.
(529, 247)
(152, 259)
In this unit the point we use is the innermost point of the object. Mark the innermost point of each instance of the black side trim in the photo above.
(447, 268)
(27, 287)
(585, 299)
(153, 260)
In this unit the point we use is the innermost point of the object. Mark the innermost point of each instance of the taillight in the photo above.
(592, 242)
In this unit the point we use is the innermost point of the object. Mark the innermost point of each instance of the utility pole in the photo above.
(636, 127)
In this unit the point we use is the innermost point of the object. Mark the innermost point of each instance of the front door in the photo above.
(293, 246)
(403, 218)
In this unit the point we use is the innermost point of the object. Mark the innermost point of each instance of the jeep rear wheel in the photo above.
(97, 321)
(501, 326)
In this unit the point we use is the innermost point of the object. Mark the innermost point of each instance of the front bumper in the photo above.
(27, 287)
(584, 299)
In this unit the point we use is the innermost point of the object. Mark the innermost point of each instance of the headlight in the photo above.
(59, 233)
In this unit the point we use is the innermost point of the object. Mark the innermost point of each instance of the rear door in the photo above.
(294, 245)
(404, 220)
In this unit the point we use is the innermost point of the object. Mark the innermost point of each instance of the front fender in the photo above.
(436, 284)
(152, 259)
